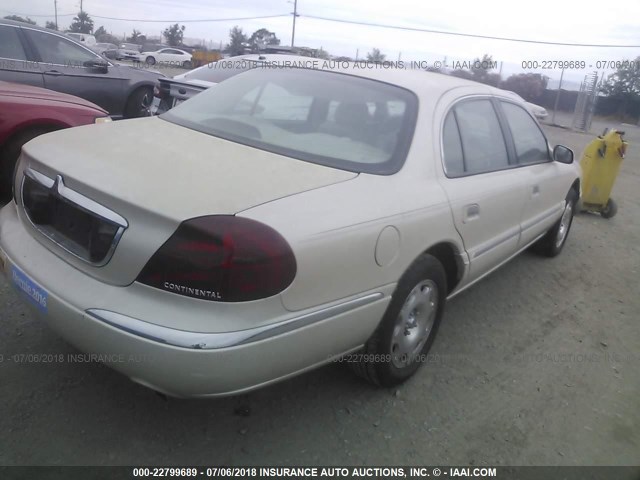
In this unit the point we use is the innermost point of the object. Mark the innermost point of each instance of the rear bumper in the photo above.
(177, 362)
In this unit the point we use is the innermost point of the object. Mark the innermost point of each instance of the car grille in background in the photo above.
(78, 224)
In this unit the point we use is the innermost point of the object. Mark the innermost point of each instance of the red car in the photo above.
(26, 112)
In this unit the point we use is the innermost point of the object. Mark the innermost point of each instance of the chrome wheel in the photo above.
(414, 323)
(565, 222)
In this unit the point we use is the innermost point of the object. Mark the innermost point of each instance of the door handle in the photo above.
(471, 212)
(54, 73)
(535, 190)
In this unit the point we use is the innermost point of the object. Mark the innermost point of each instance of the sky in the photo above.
(542, 20)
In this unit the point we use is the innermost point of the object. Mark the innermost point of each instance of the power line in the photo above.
(442, 32)
(350, 22)
(159, 21)
(192, 21)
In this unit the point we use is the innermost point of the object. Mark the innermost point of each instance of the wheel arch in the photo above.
(449, 255)
(576, 185)
(132, 93)
(48, 125)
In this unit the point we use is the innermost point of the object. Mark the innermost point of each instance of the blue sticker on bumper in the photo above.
(34, 293)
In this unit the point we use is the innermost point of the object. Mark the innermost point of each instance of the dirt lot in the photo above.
(536, 365)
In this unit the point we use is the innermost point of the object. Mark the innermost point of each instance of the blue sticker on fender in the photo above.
(34, 293)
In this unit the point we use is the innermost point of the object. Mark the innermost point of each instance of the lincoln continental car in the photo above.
(279, 221)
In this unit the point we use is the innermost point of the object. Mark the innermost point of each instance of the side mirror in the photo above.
(97, 65)
(563, 154)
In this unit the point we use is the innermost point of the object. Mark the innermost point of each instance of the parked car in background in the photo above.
(107, 50)
(128, 51)
(171, 56)
(539, 112)
(26, 112)
(283, 219)
(86, 39)
(170, 92)
(45, 58)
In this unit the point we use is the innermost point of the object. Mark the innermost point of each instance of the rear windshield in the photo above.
(215, 72)
(332, 119)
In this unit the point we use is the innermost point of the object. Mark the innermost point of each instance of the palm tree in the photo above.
(82, 23)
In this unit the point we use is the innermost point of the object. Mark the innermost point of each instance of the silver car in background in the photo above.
(128, 51)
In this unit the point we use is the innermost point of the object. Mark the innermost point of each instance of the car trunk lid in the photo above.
(156, 174)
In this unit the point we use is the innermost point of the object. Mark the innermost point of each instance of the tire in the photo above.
(552, 243)
(139, 103)
(610, 209)
(409, 326)
(10, 155)
(186, 65)
(150, 61)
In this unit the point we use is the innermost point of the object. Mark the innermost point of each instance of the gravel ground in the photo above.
(536, 365)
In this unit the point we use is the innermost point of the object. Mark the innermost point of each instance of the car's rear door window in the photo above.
(57, 50)
(531, 145)
(482, 139)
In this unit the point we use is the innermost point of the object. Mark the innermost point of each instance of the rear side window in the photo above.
(482, 140)
(531, 146)
(10, 45)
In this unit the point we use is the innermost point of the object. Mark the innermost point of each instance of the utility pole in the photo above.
(80, 6)
(295, 14)
(555, 107)
(55, 8)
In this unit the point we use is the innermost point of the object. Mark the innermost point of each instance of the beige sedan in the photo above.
(279, 221)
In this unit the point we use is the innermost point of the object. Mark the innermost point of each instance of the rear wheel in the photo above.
(10, 155)
(186, 64)
(409, 326)
(139, 103)
(551, 244)
(610, 209)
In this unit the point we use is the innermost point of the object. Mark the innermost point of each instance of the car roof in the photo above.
(4, 21)
(396, 73)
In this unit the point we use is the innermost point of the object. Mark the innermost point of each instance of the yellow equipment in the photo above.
(202, 57)
(600, 164)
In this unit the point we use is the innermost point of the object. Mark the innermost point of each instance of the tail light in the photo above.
(222, 258)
